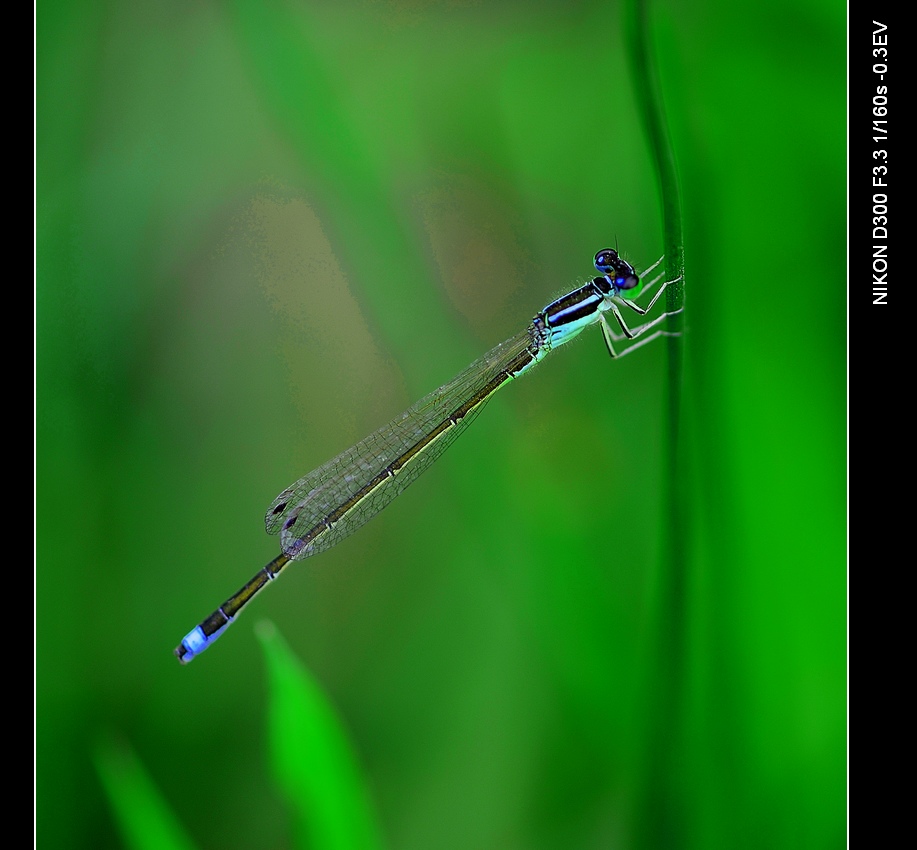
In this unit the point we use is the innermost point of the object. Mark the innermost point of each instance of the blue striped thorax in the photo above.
(566, 317)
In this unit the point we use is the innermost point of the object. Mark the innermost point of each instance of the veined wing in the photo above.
(334, 500)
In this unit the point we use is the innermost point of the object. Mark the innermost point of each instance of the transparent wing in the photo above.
(310, 515)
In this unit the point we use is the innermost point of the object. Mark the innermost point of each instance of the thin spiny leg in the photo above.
(643, 342)
(634, 332)
(648, 287)
(640, 329)
(646, 290)
(610, 335)
(646, 271)
(644, 310)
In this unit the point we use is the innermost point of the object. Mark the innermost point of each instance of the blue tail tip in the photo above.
(192, 645)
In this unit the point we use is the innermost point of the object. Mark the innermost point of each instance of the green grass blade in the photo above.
(662, 823)
(143, 816)
(650, 103)
(312, 759)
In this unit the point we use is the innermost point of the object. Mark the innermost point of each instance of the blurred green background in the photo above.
(264, 229)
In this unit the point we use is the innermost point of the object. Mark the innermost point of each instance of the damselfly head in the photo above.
(620, 273)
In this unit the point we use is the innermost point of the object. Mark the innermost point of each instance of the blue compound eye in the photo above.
(628, 282)
(606, 260)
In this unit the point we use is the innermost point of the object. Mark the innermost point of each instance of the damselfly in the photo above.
(333, 501)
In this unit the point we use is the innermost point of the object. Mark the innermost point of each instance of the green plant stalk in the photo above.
(144, 817)
(312, 759)
(662, 822)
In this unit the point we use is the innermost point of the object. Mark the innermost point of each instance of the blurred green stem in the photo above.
(143, 815)
(661, 822)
